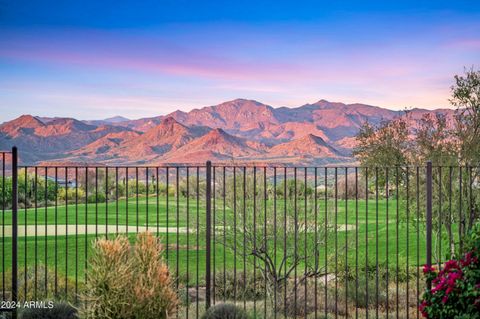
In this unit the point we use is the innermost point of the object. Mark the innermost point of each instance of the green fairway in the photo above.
(357, 237)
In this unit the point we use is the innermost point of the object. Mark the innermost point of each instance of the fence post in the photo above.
(208, 234)
(14, 228)
(429, 218)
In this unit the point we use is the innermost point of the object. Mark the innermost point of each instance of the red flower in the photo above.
(451, 264)
(469, 259)
(428, 269)
(422, 307)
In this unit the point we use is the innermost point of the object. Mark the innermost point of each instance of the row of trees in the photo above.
(40, 189)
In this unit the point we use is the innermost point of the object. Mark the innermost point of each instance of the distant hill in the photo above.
(238, 130)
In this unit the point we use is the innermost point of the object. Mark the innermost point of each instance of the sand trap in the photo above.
(343, 227)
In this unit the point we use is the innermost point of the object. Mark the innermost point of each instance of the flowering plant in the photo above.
(455, 292)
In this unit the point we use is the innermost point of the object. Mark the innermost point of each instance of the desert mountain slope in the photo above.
(241, 129)
(309, 145)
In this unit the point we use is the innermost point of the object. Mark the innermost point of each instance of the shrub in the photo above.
(247, 286)
(353, 188)
(224, 311)
(455, 291)
(297, 304)
(71, 194)
(128, 282)
(45, 290)
(366, 290)
(60, 310)
(99, 197)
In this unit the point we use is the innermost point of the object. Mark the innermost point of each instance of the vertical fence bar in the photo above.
(440, 219)
(387, 200)
(407, 185)
(224, 236)
(305, 287)
(85, 259)
(417, 188)
(208, 233)
(25, 243)
(429, 218)
(66, 230)
(36, 233)
(235, 236)
(346, 242)
(198, 237)
(461, 221)
(76, 233)
(214, 218)
(46, 229)
(336, 242)
(285, 241)
(3, 224)
(177, 232)
(316, 240)
(265, 236)
(366, 241)
(188, 239)
(14, 227)
(377, 269)
(275, 287)
(295, 259)
(244, 211)
(326, 243)
(254, 238)
(356, 243)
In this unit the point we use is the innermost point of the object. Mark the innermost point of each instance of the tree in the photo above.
(385, 145)
(466, 97)
(445, 141)
(277, 243)
(433, 141)
(404, 140)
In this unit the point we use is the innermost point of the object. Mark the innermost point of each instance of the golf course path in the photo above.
(62, 230)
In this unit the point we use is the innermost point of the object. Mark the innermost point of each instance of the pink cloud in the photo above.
(168, 59)
(465, 44)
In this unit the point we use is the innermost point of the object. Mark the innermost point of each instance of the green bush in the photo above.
(366, 290)
(45, 290)
(247, 286)
(224, 311)
(71, 194)
(96, 198)
(57, 311)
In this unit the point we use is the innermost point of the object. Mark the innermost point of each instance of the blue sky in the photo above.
(95, 59)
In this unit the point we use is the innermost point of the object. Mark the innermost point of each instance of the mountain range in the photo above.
(235, 131)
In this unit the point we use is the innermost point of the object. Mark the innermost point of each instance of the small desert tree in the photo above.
(280, 235)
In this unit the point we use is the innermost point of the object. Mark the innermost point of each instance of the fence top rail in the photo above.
(330, 167)
(112, 166)
(244, 165)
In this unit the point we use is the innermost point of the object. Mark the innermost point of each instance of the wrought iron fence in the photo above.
(281, 242)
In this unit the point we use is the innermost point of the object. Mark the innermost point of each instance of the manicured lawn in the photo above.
(354, 235)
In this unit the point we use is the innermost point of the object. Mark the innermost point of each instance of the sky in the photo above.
(95, 59)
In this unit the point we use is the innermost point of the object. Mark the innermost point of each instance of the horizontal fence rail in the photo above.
(280, 242)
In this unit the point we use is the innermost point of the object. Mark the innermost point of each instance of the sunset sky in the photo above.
(95, 59)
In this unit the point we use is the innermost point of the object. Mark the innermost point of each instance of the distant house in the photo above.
(63, 183)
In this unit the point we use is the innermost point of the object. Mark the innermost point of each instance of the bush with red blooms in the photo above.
(455, 292)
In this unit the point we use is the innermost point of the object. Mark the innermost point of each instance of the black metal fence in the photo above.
(281, 242)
